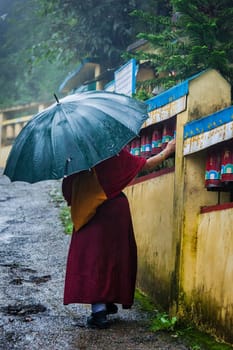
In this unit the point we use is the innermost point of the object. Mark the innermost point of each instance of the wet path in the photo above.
(33, 250)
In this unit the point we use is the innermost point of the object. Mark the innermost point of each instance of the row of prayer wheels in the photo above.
(152, 140)
(219, 166)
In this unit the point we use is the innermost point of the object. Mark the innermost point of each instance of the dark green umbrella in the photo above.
(74, 134)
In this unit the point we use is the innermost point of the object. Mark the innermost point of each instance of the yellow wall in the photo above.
(186, 258)
(208, 93)
(151, 205)
(195, 196)
(212, 294)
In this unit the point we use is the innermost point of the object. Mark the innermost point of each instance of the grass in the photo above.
(64, 215)
(181, 329)
(66, 220)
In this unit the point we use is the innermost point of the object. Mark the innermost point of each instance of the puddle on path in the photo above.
(23, 309)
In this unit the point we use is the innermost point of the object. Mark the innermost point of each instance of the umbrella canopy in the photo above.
(74, 134)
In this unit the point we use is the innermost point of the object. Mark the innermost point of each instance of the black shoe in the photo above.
(98, 320)
(111, 308)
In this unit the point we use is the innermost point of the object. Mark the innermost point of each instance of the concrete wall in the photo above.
(185, 257)
(212, 292)
(151, 205)
(207, 94)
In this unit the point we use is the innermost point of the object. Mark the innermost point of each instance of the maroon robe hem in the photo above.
(102, 259)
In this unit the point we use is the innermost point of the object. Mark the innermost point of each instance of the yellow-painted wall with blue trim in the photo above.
(176, 262)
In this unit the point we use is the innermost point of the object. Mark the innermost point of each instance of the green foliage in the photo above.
(144, 301)
(198, 340)
(66, 220)
(41, 41)
(100, 30)
(64, 215)
(26, 76)
(195, 36)
(163, 322)
(142, 93)
(160, 321)
(208, 28)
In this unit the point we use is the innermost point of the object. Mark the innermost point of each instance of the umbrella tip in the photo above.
(56, 98)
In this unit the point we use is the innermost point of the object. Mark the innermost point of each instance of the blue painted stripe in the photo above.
(171, 94)
(134, 75)
(208, 123)
(167, 96)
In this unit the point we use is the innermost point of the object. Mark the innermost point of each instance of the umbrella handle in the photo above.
(56, 98)
(68, 160)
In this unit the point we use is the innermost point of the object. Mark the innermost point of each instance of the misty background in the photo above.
(41, 41)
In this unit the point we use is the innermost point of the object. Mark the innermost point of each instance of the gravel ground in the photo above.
(33, 250)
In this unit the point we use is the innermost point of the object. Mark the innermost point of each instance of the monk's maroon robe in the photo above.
(102, 258)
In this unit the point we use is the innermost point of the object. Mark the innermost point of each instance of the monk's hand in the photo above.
(170, 148)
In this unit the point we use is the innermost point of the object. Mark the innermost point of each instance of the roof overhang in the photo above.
(85, 72)
(141, 44)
